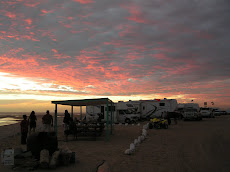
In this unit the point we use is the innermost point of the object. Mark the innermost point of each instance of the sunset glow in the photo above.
(123, 50)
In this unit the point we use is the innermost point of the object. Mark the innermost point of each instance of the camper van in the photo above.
(123, 112)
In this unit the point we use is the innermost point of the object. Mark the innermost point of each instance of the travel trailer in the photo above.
(123, 112)
(154, 108)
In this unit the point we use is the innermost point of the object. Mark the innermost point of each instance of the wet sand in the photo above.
(189, 146)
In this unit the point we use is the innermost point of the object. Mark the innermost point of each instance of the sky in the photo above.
(123, 50)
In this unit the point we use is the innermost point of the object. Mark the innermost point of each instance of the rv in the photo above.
(123, 112)
(154, 108)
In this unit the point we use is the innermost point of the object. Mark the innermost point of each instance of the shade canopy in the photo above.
(83, 102)
(86, 102)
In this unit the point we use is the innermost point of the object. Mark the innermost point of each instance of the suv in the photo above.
(192, 114)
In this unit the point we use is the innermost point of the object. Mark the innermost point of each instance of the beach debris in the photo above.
(54, 159)
(44, 158)
(103, 167)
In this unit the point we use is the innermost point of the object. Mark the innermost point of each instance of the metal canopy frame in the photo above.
(87, 102)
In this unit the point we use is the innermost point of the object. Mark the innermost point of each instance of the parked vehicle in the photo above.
(218, 112)
(206, 112)
(153, 108)
(192, 114)
(122, 112)
(181, 107)
(158, 123)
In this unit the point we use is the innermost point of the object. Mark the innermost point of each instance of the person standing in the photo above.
(66, 119)
(32, 121)
(47, 121)
(24, 129)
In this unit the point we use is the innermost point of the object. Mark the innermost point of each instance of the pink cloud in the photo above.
(28, 21)
(84, 1)
(136, 13)
(10, 15)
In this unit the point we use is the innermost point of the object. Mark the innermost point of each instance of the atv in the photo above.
(158, 123)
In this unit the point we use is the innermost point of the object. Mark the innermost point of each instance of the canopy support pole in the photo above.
(55, 120)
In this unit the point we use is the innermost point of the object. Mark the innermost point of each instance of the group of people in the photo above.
(28, 126)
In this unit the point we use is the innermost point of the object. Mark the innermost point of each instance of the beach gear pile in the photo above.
(24, 160)
(137, 141)
(42, 153)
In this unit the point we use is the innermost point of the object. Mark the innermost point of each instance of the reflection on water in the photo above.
(8, 121)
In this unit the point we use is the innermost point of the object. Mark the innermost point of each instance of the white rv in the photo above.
(123, 112)
(154, 108)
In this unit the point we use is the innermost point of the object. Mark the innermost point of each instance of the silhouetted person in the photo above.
(66, 119)
(24, 129)
(72, 129)
(47, 121)
(32, 121)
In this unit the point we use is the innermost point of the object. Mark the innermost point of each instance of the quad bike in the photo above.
(158, 123)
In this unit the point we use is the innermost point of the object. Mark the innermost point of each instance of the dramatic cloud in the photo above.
(118, 49)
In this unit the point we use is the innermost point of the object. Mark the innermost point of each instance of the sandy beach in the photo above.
(189, 146)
